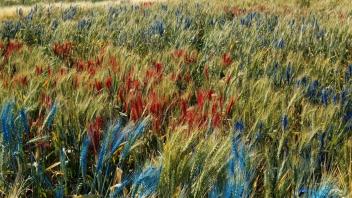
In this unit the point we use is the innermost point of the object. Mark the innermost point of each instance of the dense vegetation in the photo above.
(31, 2)
(176, 100)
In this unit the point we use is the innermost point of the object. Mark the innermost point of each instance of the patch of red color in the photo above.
(92, 71)
(90, 63)
(230, 106)
(228, 79)
(214, 107)
(197, 116)
(46, 100)
(63, 71)
(159, 67)
(190, 58)
(99, 60)
(5, 83)
(79, 65)
(178, 53)
(183, 107)
(235, 11)
(43, 144)
(54, 83)
(22, 80)
(121, 95)
(262, 8)
(130, 96)
(94, 132)
(206, 72)
(113, 63)
(154, 73)
(156, 108)
(108, 82)
(38, 70)
(136, 105)
(147, 4)
(187, 76)
(63, 50)
(131, 83)
(210, 94)
(226, 59)
(10, 48)
(173, 76)
(190, 116)
(98, 85)
(216, 119)
(91, 66)
(201, 97)
(75, 81)
(49, 71)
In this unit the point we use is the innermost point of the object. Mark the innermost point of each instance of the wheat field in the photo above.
(176, 98)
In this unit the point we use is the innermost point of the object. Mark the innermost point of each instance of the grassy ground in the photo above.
(177, 99)
(31, 2)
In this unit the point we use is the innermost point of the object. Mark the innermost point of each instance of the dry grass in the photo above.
(333, 8)
(10, 11)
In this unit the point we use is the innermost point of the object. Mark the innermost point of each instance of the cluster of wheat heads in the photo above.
(185, 99)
